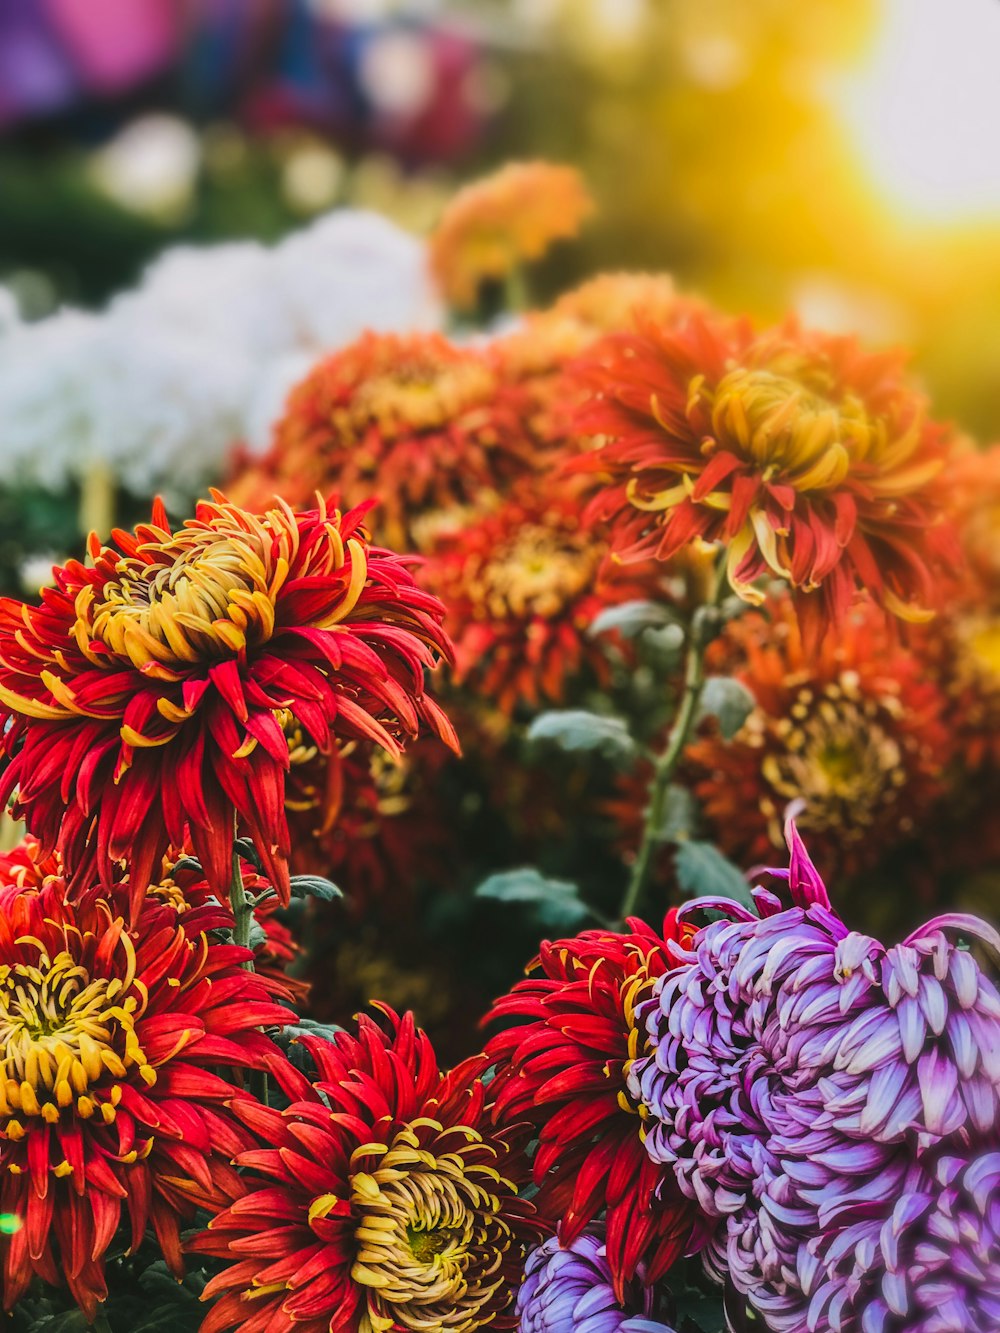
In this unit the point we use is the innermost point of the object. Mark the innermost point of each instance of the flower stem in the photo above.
(242, 910)
(666, 763)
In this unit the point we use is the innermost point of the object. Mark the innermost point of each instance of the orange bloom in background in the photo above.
(972, 495)
(854, 729)
(522, 590)
(811, 459)
(112, 1109)
(494, 225)
(149, 692)
(429, 426)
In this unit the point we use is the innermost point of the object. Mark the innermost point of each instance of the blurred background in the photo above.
(841, 156)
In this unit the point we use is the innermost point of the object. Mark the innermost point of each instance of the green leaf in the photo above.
(554, 903)
(665, 645)
(315, 886)
(631, 618)
(702, 870)
(576, 729)
(727, 699)
(680, 812)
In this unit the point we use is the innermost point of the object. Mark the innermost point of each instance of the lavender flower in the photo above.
(570, 1291)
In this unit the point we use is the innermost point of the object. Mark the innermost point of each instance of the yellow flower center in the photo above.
(67, 1038)
(414, 397)
(838, 754)
(779, 424)
(539, 573)
(430, 1242)
(981, 640)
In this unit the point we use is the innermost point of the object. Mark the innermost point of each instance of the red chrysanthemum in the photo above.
(427, 425)
(853, 729)
(112, 1108)
(810, 458)
(148, 694)
(383, 1201)
(522, 588)
(565, 1069)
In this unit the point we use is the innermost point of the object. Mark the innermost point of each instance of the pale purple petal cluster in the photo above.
(569, 1290)
(802, 1079)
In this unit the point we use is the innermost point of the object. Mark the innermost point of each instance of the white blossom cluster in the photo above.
(162, 385)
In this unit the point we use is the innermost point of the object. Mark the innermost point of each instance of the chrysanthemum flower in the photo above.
(565, 1068)
(569, 1290)
(853, 729)
(382, 1201)
(809, 458)
(493, 225)
(522, 589)
(146, 693)
(112, 1108)
(421, 422)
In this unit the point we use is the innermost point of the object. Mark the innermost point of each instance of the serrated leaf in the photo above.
(702, 871)
(576, 729)
(258, 937)
(315, 886)
(727, 699)
(680, 812)
(554, 903)
(631, 618)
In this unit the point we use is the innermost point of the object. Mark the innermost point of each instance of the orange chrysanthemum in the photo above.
(853, 729)
(495, 224)
(522, 589)
(427, 424)
(147, 694)
(810, 458)
(383, 1200)
(112, 1108)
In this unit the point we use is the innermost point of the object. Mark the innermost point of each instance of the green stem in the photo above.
(100, 1324)
(242, 909)
(665, 764)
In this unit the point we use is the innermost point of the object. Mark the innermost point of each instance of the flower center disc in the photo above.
(538, 574)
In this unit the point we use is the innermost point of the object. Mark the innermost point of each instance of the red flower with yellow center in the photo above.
(565, 1068)
(854, 729)
(384, 1200)
(810, 458)
(146, 692)
(111, 1106)
(493, 225)
(421, 422)
(522, 589)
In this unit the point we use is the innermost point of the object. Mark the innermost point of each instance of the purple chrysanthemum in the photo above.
(570, 1291)
(799, 1073)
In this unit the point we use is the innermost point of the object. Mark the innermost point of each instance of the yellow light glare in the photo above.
(924, 108)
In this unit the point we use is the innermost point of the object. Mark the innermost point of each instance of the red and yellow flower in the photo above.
(112, 1108)
(383, 1200)
(808, 457)
(425, 424)
(565, 1068)
(147, 695)
(854, 728)
(495, 224)
(522, 588)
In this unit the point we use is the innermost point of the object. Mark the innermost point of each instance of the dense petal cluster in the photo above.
(569, 1290)
(493, 225)
(522, 586)
(147, 694)
(854, 729)
(565, 1068)
(383, 1200)
(810, 458)
(112, 1107)
(799, 1074)
(422, 422)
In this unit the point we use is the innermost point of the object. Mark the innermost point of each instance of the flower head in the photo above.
(565, 1068)
(146, 694)
(569, 1290)
(425, 423)
(853, 729)
(494, 224)
(809, 458)
(383, 1200)
(111, 1105)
